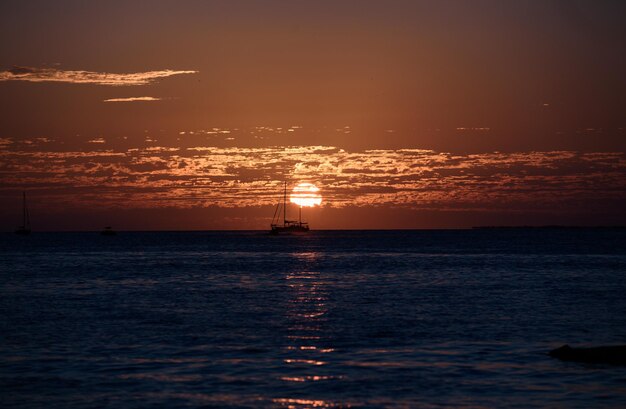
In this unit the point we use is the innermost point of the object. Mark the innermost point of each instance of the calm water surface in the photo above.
(330, 319)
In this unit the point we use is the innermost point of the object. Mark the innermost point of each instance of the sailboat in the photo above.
(288, 226)
(24, 229)
(108, 231)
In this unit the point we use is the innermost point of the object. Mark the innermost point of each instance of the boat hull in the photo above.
(288, 230)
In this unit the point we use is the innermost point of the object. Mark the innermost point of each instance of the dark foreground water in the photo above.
(330, 319)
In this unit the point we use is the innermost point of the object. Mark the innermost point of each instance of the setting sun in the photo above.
(306, 195)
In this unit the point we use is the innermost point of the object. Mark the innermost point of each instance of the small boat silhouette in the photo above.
(108, 231)
(288, 226)
(24, 229)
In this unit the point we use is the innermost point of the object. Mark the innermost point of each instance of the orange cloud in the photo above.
(132, 99)
(33, 74)
(161, 176)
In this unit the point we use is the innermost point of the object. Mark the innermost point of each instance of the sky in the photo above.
(178, 115)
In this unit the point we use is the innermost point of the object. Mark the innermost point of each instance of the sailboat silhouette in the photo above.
(288, 226)
(24, 229)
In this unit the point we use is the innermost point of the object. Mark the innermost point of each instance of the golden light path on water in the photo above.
(306, 195)
(307, 344)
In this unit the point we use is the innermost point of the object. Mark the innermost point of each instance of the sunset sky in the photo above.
(179, 115)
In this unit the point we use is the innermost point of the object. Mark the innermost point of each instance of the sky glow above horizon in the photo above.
(502, 113)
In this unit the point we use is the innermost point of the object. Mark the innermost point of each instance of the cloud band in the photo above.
(32, 74)
(133, 99)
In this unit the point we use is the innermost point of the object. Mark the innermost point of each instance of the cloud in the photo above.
(133, 99)
(166, 176)
(32, 74)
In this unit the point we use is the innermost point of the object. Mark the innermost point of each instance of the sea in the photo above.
(328, 319)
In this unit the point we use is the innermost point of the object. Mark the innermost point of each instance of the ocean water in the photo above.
(332, 319)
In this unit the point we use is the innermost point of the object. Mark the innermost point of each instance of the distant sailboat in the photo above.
(24, 229)
(108, 231)
(288, 226)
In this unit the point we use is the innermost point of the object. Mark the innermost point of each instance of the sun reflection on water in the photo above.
(307, 349)
(305, 403)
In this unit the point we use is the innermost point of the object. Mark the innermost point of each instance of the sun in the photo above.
(306, 195)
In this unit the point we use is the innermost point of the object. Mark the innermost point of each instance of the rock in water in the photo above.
(613, 355)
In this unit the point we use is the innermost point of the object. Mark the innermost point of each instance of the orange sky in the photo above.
(188, 115)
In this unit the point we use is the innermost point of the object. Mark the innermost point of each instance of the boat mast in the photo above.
(24, 210)
(285, 205)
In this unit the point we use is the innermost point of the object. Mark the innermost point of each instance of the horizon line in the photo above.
(495, 227)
